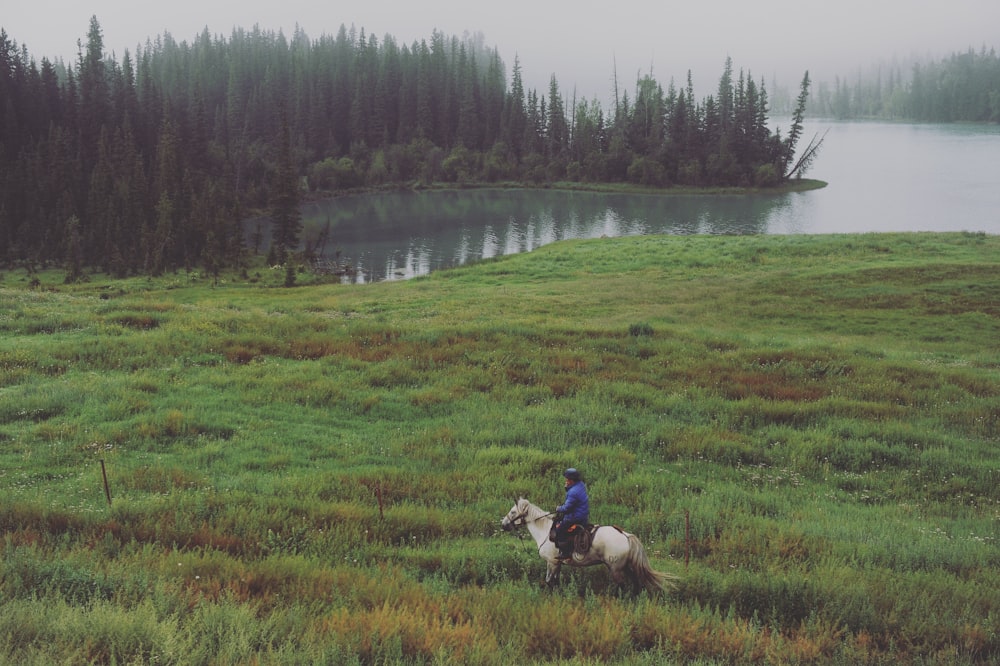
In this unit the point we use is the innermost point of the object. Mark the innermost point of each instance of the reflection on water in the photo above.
(405, 234)
(883, 177)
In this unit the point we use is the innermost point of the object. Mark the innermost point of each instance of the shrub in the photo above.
(766, 175)
(646, 171)
(640, 329)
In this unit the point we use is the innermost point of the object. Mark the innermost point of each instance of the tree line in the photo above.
(964, 87)
(149, 163)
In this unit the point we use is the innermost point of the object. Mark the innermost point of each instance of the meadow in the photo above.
(803, 429)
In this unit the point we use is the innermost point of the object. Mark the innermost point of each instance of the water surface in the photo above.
(882, 177)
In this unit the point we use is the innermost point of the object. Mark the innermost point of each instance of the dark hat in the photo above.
(572, 474)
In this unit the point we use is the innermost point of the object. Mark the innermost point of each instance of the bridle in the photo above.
(523, 517)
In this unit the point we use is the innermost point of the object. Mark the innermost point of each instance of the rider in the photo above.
(574, 511)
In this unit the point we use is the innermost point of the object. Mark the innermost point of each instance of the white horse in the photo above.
(622, 553)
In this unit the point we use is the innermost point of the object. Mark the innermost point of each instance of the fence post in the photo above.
(107, 490)
(687, 537)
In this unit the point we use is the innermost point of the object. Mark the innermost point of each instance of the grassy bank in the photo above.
(317, 474)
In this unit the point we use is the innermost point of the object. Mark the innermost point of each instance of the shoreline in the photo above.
(796, 185)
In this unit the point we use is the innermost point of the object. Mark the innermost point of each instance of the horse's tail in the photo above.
(642, 572)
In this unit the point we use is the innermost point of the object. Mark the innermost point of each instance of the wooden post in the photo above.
(687, 537)
(107, 490)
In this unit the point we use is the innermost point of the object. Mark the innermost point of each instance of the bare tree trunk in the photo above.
(808, 157)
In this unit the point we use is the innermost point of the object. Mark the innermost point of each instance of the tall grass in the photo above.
(803, 428)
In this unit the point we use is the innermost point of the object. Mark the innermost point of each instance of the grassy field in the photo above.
(316, 474)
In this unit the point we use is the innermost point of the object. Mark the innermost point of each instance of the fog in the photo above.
(582, 43)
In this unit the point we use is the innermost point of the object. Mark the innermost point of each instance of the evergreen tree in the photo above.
(724, 100)
(425, 94)
(795, 131)
(515, 117)
(493, 91)
(94, 97)
(74, 251)
(556, 129)
(285, 216)
(469, 130)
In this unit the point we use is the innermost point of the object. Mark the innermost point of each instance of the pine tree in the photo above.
(469, 129)
(515, 117)
(795, 132)
(493, 92)
(285, 215)
(425, 95)
(724, 99)
(556, 130)
(74, 251)
(94, 96)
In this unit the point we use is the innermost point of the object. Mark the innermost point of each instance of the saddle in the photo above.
(581, 536)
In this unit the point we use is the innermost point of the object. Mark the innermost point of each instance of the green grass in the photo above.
(316, 474)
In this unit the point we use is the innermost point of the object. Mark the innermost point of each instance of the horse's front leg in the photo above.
(552, 573)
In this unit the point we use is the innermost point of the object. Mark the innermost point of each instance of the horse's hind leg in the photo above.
(623, 576)
(617, 574)
(633, 580)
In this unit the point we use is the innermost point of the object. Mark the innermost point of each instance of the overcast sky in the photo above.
(577, 40)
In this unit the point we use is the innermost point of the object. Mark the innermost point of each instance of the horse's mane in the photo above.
(531, 512)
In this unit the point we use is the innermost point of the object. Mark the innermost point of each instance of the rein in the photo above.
(524, 518)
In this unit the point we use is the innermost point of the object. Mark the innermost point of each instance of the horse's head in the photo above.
(516, 516)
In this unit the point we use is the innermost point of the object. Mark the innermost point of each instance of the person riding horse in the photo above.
(575, 510)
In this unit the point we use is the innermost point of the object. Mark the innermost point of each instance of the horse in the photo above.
(622, 553)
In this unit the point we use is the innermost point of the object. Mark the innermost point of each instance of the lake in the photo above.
(882, 177)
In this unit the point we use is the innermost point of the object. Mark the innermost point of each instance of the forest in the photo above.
(149, 163)
(964, 87)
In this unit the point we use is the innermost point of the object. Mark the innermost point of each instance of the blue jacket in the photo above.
(577, 505)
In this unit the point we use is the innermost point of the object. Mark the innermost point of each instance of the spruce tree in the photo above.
(285, 217)
(795, 132)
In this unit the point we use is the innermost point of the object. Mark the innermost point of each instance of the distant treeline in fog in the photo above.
(962, 87)
(148, 163)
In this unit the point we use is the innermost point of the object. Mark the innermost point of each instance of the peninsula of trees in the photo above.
(149, 163)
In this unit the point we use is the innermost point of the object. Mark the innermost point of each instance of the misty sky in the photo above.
(579, 41)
